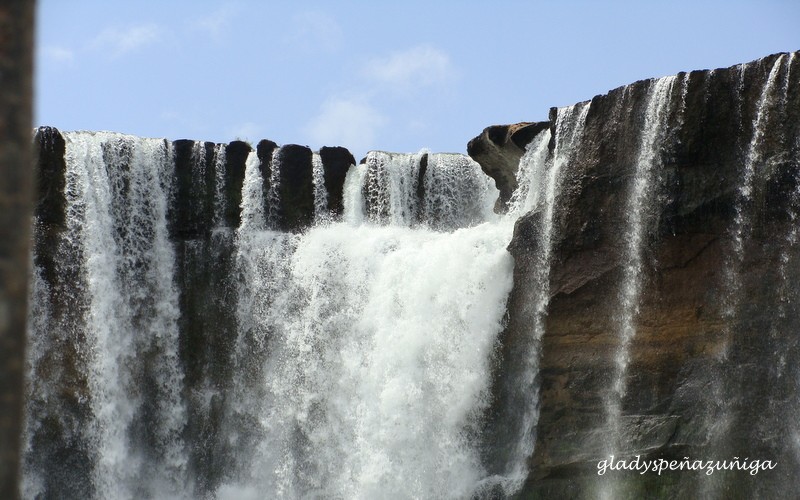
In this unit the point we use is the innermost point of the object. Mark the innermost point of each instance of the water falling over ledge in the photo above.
(390, 336)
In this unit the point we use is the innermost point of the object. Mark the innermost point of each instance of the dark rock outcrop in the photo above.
(193, 203)
(50, 212)
(498, 150)
(336, 161)
(713, 363)
(295, 187)
(235, 158)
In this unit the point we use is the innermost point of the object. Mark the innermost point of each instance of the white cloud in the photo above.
(420, 66)
(118, 42)
(218, 22)
(346, 122)
(315, 32)
(60, 55)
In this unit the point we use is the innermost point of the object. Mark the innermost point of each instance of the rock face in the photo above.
(711, 368)
(336, 161)
(498, 150)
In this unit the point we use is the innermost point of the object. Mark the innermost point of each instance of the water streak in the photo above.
(642, 210)
(540, 178)
(131, 336)
(220, 165)
(392, 183)
(321, 212)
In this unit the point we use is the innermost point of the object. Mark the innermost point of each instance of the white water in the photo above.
(641, 213)
(720, 416)
(391, 184)
(118, 188)
(752, 161)
(320, 193)
(540, 179)
(252, 215)
(641, 209)
(273, 194)
(742, 219)
(372, 344)
(220, 164)
(362, 351)
(457, 192)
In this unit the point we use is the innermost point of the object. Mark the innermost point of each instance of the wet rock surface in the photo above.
(498, 150)
(715, 331)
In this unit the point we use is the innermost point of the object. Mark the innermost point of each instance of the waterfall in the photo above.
(441, 190)
(227, 322)
(273, 193)
(392, 185)
(640, 212)
(569, 126)
(742, 220)
(117, 190)
(457, 193)
(354, 203)
(361, 356)
(530, 175)
(541, 179)
(253, 203)
(724, 413)
(320, 193)
(220, 160)
(364, 347)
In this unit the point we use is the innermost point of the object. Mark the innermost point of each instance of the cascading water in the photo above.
(233, 334)
(392, 181)
(367, 347)
(640, 210)
(220, 159)
(126, 340)
(320, 193)
(361, 361)
(253, 213)
(540, 179)
(723, 418)
(273, 193)
(457, 194)
(742, 221)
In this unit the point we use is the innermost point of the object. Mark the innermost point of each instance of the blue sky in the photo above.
(396, 76)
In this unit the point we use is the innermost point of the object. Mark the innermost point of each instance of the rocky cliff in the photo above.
(711, 364)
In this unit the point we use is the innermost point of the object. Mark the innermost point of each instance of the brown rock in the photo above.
(498, 150)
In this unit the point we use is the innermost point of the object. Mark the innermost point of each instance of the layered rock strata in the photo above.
(713, 364)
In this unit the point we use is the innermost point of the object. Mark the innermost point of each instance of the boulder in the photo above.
(498, 150)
